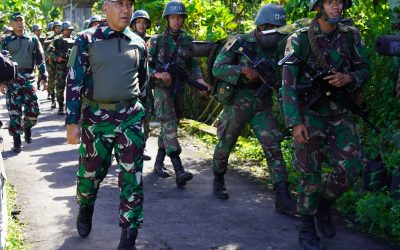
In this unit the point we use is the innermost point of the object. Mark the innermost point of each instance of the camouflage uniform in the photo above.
(27, 52)
(51, 67)
(149, 103)
(111, 119)
(60, 74)
(245, 108)
(331, 130)
(167, 106)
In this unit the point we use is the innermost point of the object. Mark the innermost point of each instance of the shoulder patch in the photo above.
(228, 45)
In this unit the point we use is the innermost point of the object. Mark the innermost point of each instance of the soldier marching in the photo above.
(105, 118)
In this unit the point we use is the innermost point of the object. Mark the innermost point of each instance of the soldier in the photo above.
(51, 66)
(59, 57)
(94, 21)
(244, 107)
(139, 24)
(326, 130)
(108, 68)
(173, 46)
(37, 30)
(26, 50)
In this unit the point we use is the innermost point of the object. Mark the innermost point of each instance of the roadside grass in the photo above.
(15, 232)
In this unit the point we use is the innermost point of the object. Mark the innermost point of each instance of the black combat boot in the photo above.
(283, 202)
(28, 135)
(181, 175)
(53, 101)
(84, 220)
(17, 144)
(324, 222)
(128, 238)
(60, 108)
(308, 236)
(159, 164)
(219, 188)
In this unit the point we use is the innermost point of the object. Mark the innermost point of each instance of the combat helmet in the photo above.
(174, 7)
(95, 18)
(50, 26)
(271, 14)
(313, 4)
(86, 24)
(66, 25)
(141, 14)
(57, 23)
(36, 27)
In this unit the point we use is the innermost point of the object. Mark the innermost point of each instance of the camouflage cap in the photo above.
(16, 15)
(36, 26)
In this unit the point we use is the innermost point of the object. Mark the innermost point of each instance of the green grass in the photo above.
(15, 232)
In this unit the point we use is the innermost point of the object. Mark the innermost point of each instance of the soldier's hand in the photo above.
(3, 88)
(60, 59)
(250, 73)
(73, 134)
(204, 92)
(300, 134)
(163, 76)
(338, 79)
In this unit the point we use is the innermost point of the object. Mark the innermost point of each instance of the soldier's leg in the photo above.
(146, 122)
(60, 87)
(270, 137)
(51, 86)
(232, 120)
(31, 108)
(129, 145)
(94, 161)
(168, 138)
(14, 102)
(344, 149)
(307, 160)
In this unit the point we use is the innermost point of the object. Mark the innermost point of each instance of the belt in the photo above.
(116, 106)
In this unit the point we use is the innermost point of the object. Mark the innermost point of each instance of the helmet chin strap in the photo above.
(327, 18)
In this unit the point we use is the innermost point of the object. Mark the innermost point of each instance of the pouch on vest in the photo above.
(224, 92)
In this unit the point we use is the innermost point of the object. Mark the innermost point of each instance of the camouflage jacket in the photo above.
(184, 55)
(229, 61)
(35, 49)
(337, 52)
(60, 46)
(80, 81)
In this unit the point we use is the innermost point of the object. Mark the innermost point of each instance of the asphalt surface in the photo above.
(189, 218)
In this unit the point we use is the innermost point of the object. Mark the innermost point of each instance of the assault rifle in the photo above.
(264, 68)
(179, 76)
(319, 91)
(62, 47)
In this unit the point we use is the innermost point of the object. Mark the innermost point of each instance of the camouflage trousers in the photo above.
(246, 108)
(60, 77)
(50, 84)
(164, 109)
(149, 106)
(102, 132)
(333, 140)
(21, 95)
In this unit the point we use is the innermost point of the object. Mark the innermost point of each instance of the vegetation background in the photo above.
(376, 212)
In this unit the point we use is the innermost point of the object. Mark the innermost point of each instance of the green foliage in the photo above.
(35, 11)
(379, 214)
(15, 236)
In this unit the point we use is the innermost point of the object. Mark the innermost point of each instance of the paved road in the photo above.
(190, 218)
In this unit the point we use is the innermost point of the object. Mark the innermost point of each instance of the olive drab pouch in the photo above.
(224, 92)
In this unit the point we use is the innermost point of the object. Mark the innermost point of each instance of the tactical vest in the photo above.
(21, 51)
(115, 67)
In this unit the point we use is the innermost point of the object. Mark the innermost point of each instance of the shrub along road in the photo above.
(189, 218)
